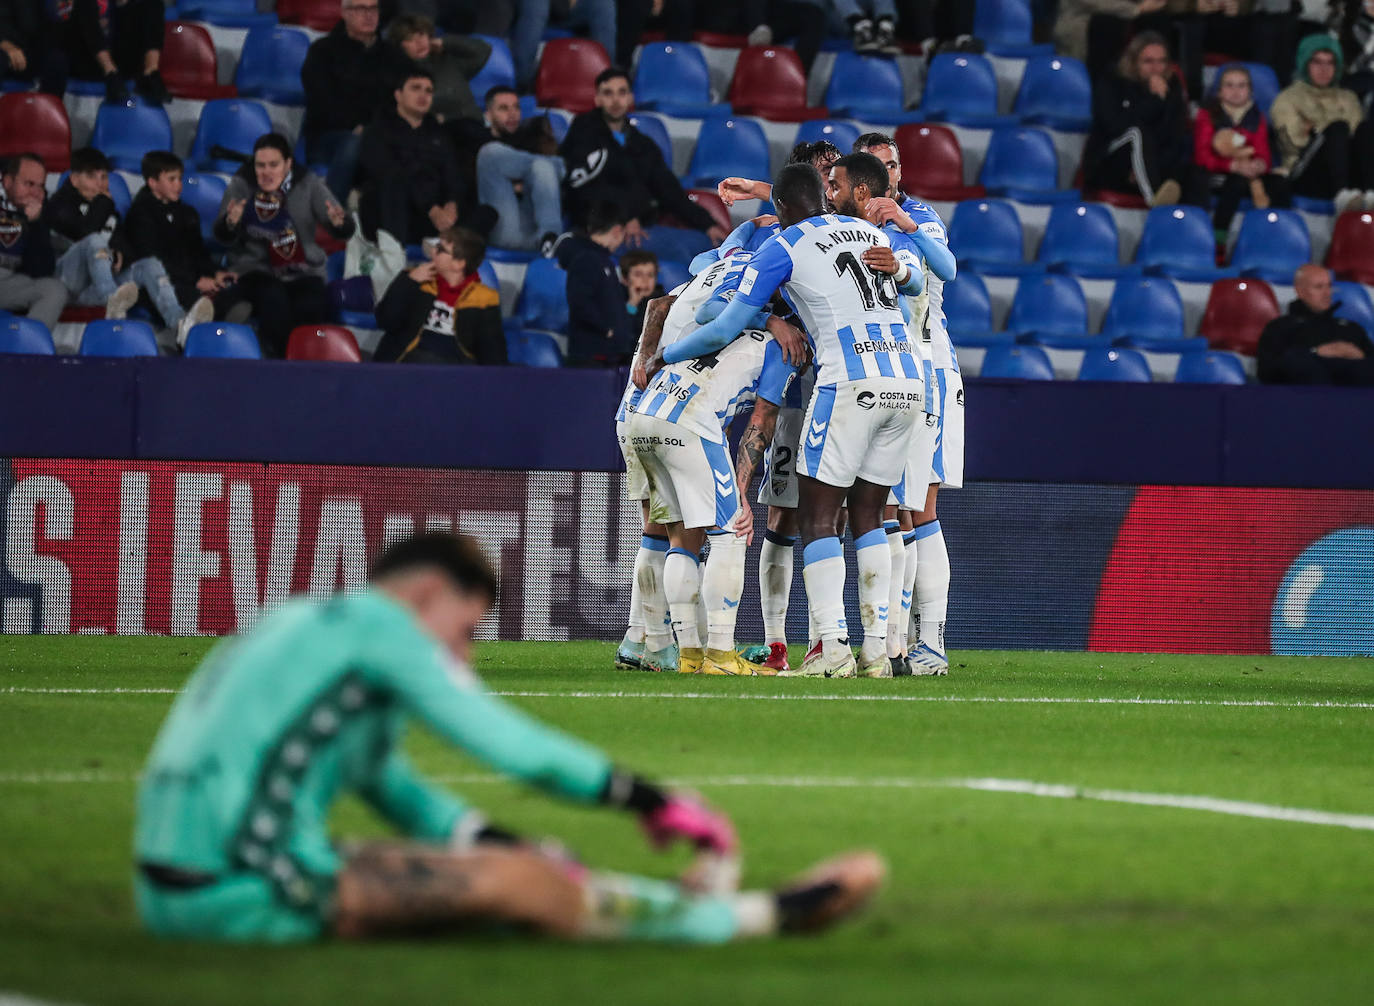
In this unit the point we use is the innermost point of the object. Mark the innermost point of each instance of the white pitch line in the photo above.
(1022, 787)
(711, 696)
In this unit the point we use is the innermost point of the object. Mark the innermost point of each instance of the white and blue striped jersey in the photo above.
(852, 314)
(928, 308)
(703, 394)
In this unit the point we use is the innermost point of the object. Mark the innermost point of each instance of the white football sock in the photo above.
(635, 632)
(875, 573)
(682, 583)
(908, 588)
(932, 584)
(721, 586)
(823, 572)
(775, 584)
(897, 557)
(658, 630)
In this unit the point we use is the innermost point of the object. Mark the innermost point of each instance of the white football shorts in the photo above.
(690, 479)
(636, 483)
(947, 462)
(910, 492)
(860, 430)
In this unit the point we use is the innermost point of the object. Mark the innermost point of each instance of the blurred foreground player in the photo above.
(230, 837)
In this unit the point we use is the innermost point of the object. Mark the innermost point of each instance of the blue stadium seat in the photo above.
(1057, 92)
(1021, 164)
(672, 274)
(842, 134)
(1271, 245)
(270, 65)
(1114, 364)
(728, 147)
(537, 349)
(25, 335)
(1026, 363)
(1353, 303)
(543, 301)
(559, 121)
(499, 69)
(221, 340)
(1178, 242)
(986, 235)
(1264, 83)
(1146, 312)
(124, 133)
(1050, 310)
(652, 127)
(226, 13)
(867, 88)
(672, 78)
(486, 272)
(118, 338)
(231, 123)
(1209, 368)
(1005, 28)
(204, 193)
(119, 192)
(962, 88)
(968, 313)
(1081, 238)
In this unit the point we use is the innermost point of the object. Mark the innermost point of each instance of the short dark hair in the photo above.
(406, 26)
(273, 141)
(86, 159)
(10, 165)
(611, 73)
(456, 555)
(603, 215)
(865, 169)
(867, 140)
(158, 162)
(408, 73)
(468, 245)
(496, 91)
(637, 256)
(798, 185)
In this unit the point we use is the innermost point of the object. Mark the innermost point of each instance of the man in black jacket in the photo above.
(601, 332)
(1309, 344)
(609, 159)
(26, 256)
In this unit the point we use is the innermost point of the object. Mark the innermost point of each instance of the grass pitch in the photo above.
(1120, 893)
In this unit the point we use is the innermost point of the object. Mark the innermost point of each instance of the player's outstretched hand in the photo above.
(730, 189)
(685, 817)
(880, 257)
(791, 341)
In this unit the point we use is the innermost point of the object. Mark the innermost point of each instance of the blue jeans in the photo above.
(86, 270)
(339, 149)
(522, 219)
(597, 16)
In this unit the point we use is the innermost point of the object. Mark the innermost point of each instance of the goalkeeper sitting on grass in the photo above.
(231, 842)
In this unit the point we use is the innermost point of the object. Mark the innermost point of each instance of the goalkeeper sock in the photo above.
(823, 572)
(875, 570)
(908, 587)
(622, 906)
(897, 560)
(722, 583)
(682, 583)
(658, 632)
(775, 584)
(932, 584)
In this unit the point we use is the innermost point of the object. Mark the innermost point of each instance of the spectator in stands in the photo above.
(1231, 142)
(160, 226)
(458, 17)
(806, 21)
(441, 311)
(25, 52)
(519, 172)
(452, 61)
(138, 28)
(1140, 139)
(79, 46)
(1309, 344)
(267, 219)
(597, 16)
(639, 273)
(609, 159)
(1094, 31)
(1354, 22)
(348, 77)
(411, 187)
(601, 332)
(633, 17)
(27, 261)
(1325, 144)
(872, 24)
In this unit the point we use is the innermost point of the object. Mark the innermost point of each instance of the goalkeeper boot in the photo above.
(726, 662)
(829, 891)
(629, 656)
(690, 659)
(664, 660)
(926, 661)
(874, 664)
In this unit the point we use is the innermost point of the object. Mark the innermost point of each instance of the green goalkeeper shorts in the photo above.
(241, 907)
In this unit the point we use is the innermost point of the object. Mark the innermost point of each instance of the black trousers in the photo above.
(1301, 366)
(137, 31)
(1335, 159)
(279, 305)
(1231, 189)
(1135, 162)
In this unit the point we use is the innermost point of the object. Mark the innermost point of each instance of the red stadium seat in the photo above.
(36, 123)
(189, 66)
(933, 163)
(567, 74)
(720, 40)
(323, 342)
(1237, 311)
(769, 82)
(1351, 255)
(712, 204)
(321, 15)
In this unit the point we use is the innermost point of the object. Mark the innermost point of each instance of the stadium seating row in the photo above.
(1031, 363)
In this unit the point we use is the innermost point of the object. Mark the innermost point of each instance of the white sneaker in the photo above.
(927, 661)
(874, 665)
(1348, 199)
(761, 35)
(832, 659)
(120, 301)
(201, 311)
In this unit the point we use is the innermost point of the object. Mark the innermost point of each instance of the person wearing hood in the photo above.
(1231, 142)
(1309, 344)
(267, 220)
(1325, 145)
(601, 330)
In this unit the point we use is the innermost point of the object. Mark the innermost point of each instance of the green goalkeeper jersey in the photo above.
(275, 725)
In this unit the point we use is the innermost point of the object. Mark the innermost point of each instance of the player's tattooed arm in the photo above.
(654, 317)
(753, 443)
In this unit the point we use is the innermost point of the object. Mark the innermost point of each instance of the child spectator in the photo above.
(441, 311)
(160, 226)
(267, 219)
(451, 61)
(639, 273)
(601, 332)
(1231, 142)
(26, 256)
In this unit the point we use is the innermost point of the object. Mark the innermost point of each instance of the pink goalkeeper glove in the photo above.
(683, 817)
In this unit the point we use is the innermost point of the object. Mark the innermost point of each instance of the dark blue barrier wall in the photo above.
(518, 418)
